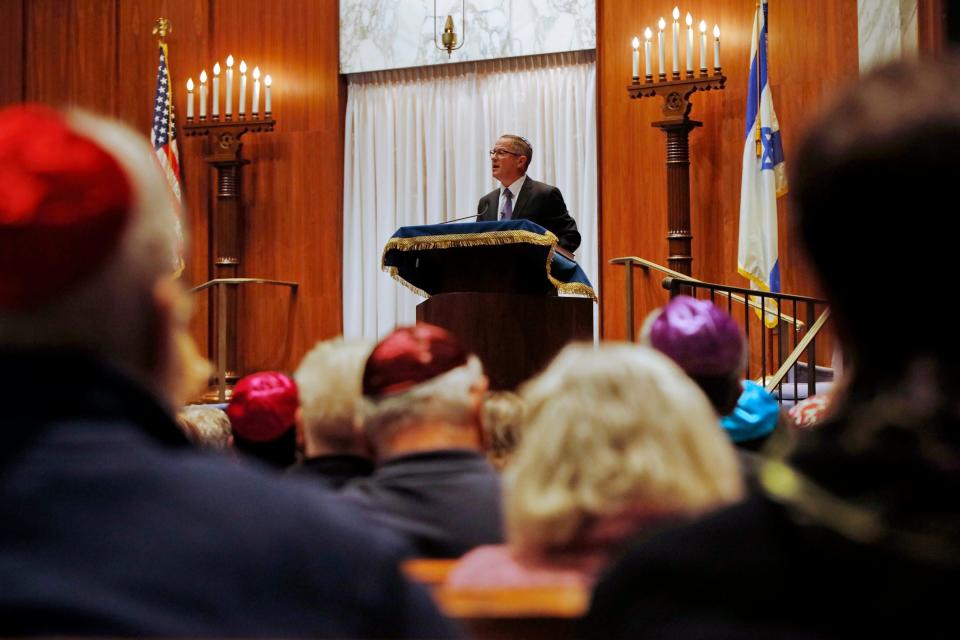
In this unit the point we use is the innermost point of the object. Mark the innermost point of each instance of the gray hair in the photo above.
(520, 145)
(445, 398)
(609, 430)
(329, 381)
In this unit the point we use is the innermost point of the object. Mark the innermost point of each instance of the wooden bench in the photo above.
(531, 613)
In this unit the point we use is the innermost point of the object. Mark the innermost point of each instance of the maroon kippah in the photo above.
(64, 203)
(409, 356)
(698, 336)
(264, 406)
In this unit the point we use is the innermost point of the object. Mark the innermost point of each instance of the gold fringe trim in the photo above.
(453, 241)
(575, 288)
(487, 239)
(395, 274)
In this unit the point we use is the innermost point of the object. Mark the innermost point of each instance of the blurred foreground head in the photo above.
(87, 244)
(873, 180)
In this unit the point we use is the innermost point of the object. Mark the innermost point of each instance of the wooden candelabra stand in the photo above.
(677, 125)
(224, 153)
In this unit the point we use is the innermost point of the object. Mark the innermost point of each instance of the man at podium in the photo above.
(523, 197)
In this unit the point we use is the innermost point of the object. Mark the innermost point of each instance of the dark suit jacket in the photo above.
(537, 202)
(445, 502)
(114, 526)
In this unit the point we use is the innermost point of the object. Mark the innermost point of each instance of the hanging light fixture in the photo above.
(449, 36)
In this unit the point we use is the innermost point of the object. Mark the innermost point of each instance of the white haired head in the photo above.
(609, 430)
(328, 380)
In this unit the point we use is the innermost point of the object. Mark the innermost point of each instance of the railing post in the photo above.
(631, 337)
(811, 355)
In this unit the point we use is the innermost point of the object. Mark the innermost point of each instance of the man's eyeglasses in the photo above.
(496, 153)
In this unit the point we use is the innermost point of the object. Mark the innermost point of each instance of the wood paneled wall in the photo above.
(100, 55)
(812, 50)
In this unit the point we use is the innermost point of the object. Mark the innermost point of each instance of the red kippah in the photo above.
(64, 203)
(409, 356)
(263, 406)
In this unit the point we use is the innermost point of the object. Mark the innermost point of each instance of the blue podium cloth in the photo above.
(401, 253)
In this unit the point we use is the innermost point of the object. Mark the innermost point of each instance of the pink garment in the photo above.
(493, 566)
(496, 566)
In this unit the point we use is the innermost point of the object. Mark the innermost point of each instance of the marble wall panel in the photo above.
(391, 34)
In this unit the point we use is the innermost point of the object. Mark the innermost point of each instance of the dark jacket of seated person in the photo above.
(421, 414)
(113, 525)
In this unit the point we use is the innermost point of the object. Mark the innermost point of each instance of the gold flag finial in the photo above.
(161, 28)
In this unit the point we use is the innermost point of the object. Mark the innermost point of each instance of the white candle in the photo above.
(676, 41)
(215, 108)
(661, 65)
(189, 98)
(228, 111)
(647, 34)
(716, 46)
(203, 94)
(703, 45)
(689, 21)
(243, 88)
(267, 81)
(256, 91)
(636, 57)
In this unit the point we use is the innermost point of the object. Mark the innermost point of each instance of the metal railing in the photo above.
(222, 284)
(788, 330)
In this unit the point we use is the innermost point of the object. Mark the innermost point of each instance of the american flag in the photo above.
(164, 139)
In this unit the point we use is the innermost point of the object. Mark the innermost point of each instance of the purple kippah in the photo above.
(698, 336)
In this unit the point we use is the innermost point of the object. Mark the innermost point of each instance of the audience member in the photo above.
(502, 416)
(421, 413)
(705, 342)
(709, 346)
(328, 379)
(755, 419)
(857, 533)
(206, 426)
(618, 441)
(263, 412)
(112, 524)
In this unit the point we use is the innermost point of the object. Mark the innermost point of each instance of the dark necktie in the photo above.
(508, 205)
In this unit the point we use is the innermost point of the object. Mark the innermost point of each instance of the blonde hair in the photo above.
(609, 430)
(329, 380)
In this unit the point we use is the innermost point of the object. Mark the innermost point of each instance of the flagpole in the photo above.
(160, 29)
(756, 17)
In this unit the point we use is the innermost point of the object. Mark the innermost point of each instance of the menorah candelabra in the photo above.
(676, 124)
(224, 152)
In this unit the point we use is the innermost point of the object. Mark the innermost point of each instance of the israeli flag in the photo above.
(764, 174)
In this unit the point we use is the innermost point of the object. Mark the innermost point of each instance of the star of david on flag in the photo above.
(764, 175)
(164, 140)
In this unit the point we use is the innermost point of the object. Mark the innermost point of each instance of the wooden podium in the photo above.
(492, 289)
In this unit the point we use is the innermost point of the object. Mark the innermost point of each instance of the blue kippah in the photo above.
(755, 416)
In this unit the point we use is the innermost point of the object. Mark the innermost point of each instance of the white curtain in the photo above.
(416, 143)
